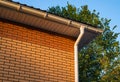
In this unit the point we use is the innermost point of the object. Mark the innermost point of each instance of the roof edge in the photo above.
(46, 15)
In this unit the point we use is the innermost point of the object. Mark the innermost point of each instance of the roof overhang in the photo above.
(40, 19)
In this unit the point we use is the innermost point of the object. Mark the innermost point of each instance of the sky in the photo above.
(109, 9)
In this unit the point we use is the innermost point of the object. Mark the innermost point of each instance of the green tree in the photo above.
(98, 61)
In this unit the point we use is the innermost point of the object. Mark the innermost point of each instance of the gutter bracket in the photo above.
(46, 15)
(69, 22)
(19, 7)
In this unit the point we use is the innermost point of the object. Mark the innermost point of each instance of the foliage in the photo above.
(98, 61)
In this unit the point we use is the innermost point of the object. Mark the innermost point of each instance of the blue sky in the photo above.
(107, 8)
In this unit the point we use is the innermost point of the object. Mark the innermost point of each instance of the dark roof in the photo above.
(52, 13)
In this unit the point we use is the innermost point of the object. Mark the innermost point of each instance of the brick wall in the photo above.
(30, 55)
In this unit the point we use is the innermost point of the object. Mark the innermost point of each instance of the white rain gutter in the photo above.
(39, 13)
(76, 53)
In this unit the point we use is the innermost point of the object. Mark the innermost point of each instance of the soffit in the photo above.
(38, 22)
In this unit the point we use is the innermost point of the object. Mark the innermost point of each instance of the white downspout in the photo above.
(76, 53)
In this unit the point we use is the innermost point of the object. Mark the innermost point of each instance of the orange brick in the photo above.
(34, 55)
(13, 79)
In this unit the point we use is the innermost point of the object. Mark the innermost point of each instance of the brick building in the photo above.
(36, 46)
